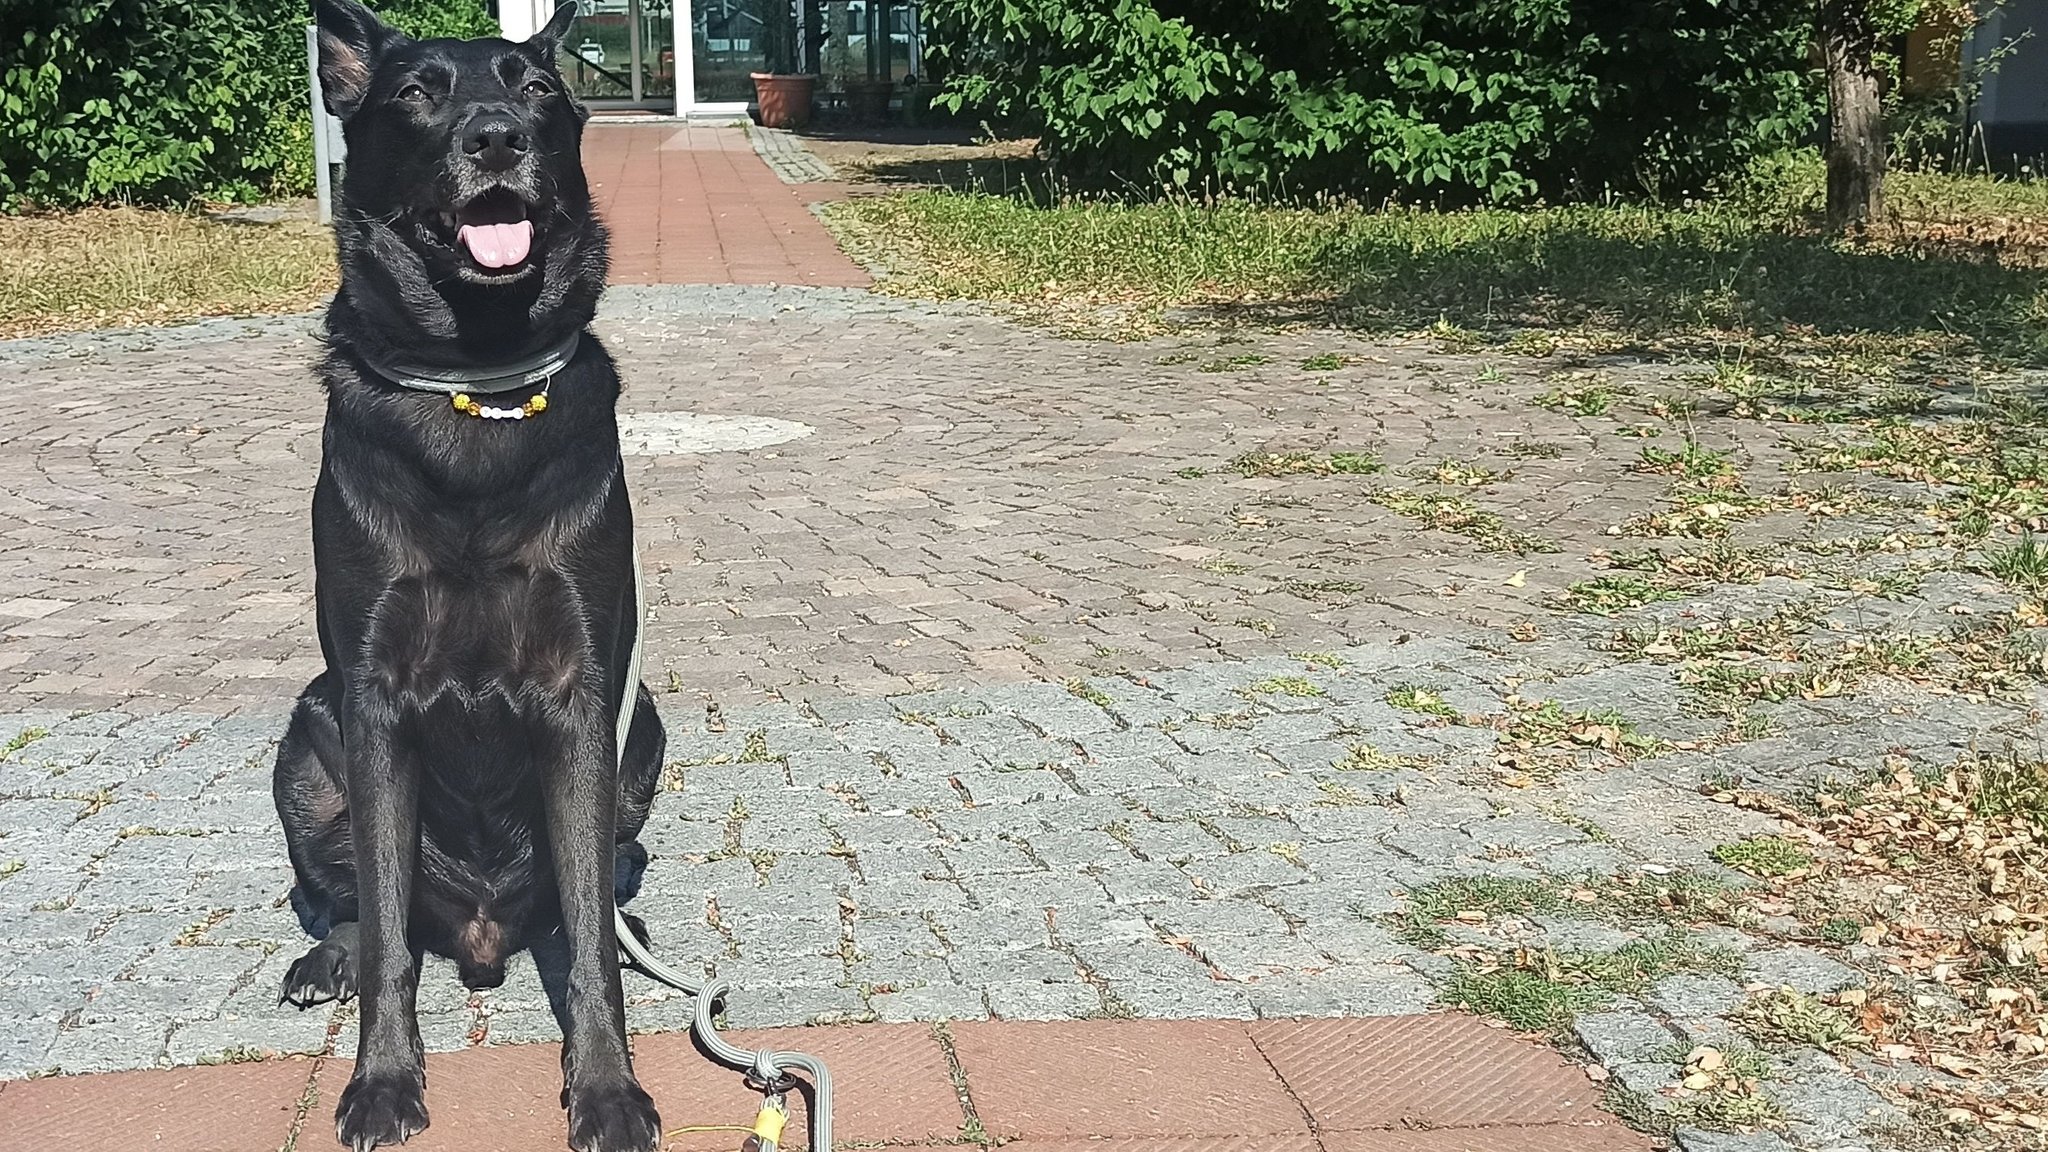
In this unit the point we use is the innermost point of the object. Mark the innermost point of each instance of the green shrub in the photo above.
(1501, 100)
(167, 101)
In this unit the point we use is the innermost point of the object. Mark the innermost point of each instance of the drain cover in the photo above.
(678, 433)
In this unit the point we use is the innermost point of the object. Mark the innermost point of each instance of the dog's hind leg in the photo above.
(640, 765)
(328, 972)
(639, 777)
(312, 805)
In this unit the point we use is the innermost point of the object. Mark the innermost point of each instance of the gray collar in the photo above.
(487, 380)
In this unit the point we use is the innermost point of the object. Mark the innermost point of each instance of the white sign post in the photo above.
(329, 149)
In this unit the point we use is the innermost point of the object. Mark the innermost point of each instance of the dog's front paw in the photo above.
(379, 1109)
(615, 1117)
(323, 974)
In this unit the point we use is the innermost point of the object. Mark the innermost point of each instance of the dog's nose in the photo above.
(494, 142)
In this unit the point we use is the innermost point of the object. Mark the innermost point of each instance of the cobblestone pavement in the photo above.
(1008, 676)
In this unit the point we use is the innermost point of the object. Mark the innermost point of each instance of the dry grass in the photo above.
(111, 267)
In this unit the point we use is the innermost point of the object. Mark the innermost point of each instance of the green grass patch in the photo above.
(1366, 758)
(1999, 470)
(1328, 661)
(1458, 474)
(1300, 686)
(1446, 512)
(1493, 895)
(1282, 464)
(1544, 992)
(1428, 701)
(1089, 692)
(1719, 273)
(1612, 595)
(1788, 1016)
(1529, 1000)
(1550, 724)
(2023, 564)
(1591, 398)
(1841, 930)
(1693, 461)
(22, 739)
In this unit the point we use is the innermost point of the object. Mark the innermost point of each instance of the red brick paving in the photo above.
(226, 1108)
(1403, 1084)
(1130, 1078)
(693, 204)
(1456, 1073)
(1544, 1138)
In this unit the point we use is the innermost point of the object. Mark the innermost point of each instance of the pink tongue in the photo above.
(497, 245)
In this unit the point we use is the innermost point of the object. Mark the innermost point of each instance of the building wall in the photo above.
(2012, 108)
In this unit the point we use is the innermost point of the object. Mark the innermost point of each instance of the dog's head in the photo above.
(468, 153)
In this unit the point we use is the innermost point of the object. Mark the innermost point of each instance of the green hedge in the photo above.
(168, 101)
(1499, 100)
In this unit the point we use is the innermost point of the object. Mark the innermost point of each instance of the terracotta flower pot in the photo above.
(785, 100)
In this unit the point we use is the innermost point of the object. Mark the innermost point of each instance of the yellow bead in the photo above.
(461, 400)
(537, 404)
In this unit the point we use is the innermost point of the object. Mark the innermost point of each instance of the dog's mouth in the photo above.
(493, 228)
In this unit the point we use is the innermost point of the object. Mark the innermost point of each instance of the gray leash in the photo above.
(767, 1069)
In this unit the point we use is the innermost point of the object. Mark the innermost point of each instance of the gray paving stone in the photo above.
(1038, 1000)
(109, 1045)
(1622, 1037)
(1352, 990)
(1825, 1104)
(25, 1045)
(930, 1003)
(1696, 996)
(1801, 969)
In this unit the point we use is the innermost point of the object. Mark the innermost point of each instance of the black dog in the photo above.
(453, 782)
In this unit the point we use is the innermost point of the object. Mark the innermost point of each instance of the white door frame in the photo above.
(686, 71)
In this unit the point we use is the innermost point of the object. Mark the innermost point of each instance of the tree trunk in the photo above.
(1849, 40)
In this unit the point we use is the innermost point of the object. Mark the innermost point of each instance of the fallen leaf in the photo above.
(1957, 1065)
(1520, 578)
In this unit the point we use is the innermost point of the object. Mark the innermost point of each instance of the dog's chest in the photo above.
(511, 631)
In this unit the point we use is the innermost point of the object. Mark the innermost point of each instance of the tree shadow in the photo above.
(1678, 273)
(940, 156)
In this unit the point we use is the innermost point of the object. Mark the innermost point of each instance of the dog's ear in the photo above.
(351, 39)
(550, 37)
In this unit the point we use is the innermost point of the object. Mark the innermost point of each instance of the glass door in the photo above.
(620, 53)
(726, 38)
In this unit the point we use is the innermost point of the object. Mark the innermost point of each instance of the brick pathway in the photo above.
(1402, 1084)
(691, 204)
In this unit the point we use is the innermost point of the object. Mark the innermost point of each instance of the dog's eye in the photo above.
(412, 94)
(537, 89)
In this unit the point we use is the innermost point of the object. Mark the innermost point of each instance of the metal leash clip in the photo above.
(772, 1117)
